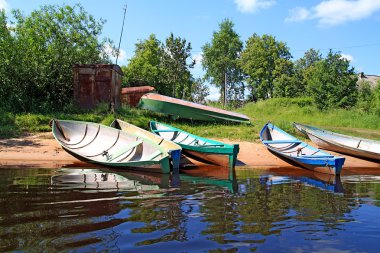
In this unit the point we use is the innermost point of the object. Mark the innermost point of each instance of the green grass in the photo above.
(281, 112)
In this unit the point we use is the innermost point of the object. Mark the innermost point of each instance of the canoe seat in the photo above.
(120, 152)
(154, 155)
(316, 156)
(212, 145)
(282, 142)
(166, 130)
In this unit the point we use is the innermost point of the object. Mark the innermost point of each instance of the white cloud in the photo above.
(4, 5)
(335, 12)
(348, 57)
(298, 14)
(214, 93)
(250, 6)
(112, 54)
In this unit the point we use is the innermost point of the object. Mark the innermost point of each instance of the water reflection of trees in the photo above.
(265, 210)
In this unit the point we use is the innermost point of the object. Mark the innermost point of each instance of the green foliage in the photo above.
(376, 99)
(220, 60)
(144, 67)
(333, 83)
(304, 67)
(166, 66)
(42, 50)
(175, 67)
(199, 91)
(365, 96)
(265, 62)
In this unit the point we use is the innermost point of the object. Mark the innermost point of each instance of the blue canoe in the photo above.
(289, 147)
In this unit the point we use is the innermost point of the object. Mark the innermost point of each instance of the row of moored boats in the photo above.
(124, 145)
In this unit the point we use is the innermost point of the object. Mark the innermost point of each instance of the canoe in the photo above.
(288, 147)
(189, 110)
(173, 149)
(341, 143)
(99, 144)
(198, 148)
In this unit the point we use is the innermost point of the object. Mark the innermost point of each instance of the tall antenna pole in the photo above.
(121, 34)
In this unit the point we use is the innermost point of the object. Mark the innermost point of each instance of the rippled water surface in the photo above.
(86, 210)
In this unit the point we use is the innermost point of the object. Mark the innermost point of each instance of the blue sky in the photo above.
(349, 26)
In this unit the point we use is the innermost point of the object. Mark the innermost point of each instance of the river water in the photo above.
(104, 210)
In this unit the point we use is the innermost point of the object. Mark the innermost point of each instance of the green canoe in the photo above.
(189, 110)
(198, 148)
(99, 144)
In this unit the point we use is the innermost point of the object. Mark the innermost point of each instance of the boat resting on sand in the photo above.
(170, 147)
(341, 143)
(99, 144)
(188, 110)
(288, 147)
(198, 148)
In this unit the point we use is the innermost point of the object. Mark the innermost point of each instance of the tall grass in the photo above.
(281, 112)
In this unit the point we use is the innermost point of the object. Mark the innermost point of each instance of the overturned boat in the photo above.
(188, 110)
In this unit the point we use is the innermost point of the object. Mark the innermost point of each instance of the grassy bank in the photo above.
(281, 112)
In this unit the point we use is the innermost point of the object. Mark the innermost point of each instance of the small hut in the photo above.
(97, 83)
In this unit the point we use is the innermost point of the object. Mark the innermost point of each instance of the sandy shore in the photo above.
(42, 150)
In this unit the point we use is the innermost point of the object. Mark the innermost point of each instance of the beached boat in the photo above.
(198, 148)
(188, 110)
(99, 144)
(170, 147)
(288, 147)
(341, 143)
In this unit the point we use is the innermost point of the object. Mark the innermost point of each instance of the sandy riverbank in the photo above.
(42, 150)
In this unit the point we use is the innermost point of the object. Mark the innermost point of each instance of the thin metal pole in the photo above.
(121, 34)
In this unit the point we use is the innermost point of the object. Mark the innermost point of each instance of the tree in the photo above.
(304, 67)
(376, 99)
(263, 60)
(365, 95)
(46, 44)
(145, 66)
(177, 54)
(333, 82)
(220, 60)
(199, 91)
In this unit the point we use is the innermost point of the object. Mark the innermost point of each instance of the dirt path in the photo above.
(42, 150)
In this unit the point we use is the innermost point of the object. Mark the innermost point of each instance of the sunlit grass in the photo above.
(281, 112)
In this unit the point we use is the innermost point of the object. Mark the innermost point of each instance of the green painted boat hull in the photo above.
(199, 148)
(188, 110)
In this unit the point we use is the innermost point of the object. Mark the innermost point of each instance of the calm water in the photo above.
(86, 210)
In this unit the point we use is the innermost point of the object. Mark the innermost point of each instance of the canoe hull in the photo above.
(339, 145)
(188, 110)
(224, 160)
(199, 148)
(173, 149)
(106, 146)
(290, 148)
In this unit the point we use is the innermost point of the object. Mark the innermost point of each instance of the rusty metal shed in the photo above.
(97, 83)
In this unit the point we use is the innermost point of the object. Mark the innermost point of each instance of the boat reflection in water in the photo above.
(201, 210)
(109, 180)
(320, 180)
